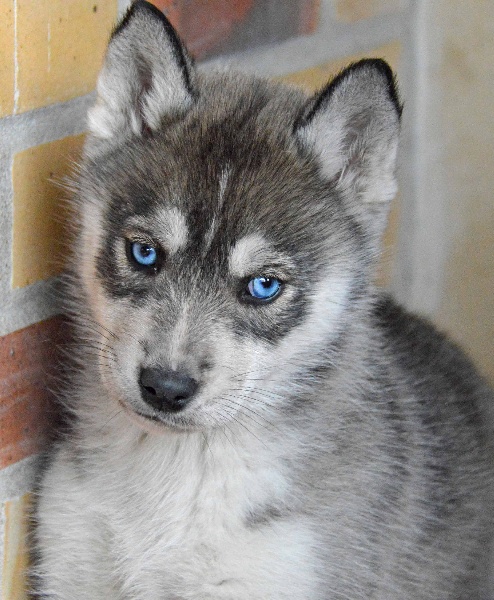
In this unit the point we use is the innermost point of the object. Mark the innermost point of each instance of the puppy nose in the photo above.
(165, 390)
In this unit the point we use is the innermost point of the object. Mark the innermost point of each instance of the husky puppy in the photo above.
(251, 420)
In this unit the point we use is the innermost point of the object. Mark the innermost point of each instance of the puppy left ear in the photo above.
(352, 128)
(147, 74)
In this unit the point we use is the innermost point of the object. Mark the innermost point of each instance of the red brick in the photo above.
(28, 360)
(309, 16)
(171, 8)
(204, 25)
(210, 26)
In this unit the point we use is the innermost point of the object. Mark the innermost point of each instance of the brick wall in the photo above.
(50, 53)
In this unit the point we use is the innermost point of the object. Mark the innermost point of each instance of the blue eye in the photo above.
(263, 288)
(144, 254)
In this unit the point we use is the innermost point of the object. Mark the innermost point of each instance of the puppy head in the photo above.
(228, 225)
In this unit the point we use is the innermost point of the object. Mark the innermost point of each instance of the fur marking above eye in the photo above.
(144, 254)
(264, 288)
(250, 254)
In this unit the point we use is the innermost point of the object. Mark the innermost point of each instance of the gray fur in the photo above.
(337, 448)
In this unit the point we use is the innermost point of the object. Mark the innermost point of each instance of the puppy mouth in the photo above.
(155, 423)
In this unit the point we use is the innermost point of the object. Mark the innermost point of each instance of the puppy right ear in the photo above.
(352, 127)
(147, 74)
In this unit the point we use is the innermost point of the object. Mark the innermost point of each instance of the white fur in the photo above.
(172, 225)
(179, 531)
(178, 339)
(223, 182)
(248, 254)
(252, 253)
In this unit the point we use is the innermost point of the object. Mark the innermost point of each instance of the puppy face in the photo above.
(227, 225)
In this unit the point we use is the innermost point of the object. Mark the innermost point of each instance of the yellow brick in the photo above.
(37, 247)
(7, 57)
(15, 561)
(60, 45)
(356, 10)
(315, 79)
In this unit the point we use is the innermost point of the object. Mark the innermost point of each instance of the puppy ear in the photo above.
(146, 75)
(352, 128)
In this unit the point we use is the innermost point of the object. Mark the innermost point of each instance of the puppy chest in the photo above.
(215, 529)
(222, 557)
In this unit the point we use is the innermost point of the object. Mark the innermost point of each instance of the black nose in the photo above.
(166, 390)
